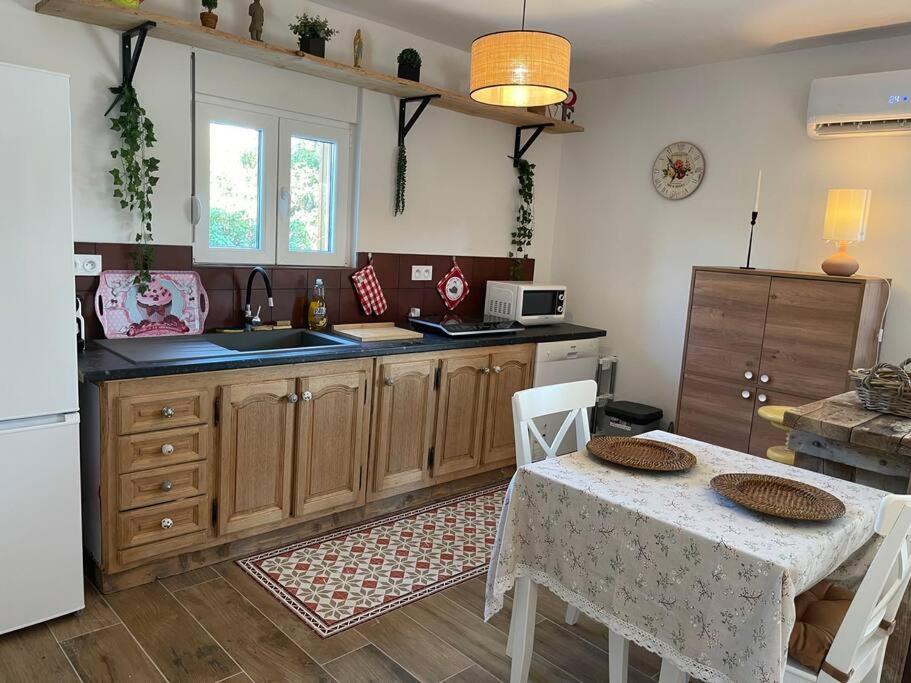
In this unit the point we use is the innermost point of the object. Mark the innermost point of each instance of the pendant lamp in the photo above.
(520, 68)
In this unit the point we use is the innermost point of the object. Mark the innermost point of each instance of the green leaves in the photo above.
(524, 230)
(136, 177)
(307, 26)
(401, 166)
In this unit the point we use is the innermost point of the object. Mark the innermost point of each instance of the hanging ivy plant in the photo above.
(401, 164)
(136, 176)
(524, 230)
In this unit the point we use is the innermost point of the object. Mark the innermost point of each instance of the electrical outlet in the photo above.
(421, 273)
(87, 264)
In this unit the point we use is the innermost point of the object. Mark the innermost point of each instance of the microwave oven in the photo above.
(527, 303)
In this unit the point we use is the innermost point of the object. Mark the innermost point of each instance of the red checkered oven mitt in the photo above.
(453, 288)
(369, 291)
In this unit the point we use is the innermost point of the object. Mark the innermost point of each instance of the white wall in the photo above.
(461, 186)
(626, 253)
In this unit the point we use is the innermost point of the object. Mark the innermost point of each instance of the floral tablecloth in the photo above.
(668, 563)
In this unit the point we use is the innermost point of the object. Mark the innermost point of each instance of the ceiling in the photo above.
(618, 37)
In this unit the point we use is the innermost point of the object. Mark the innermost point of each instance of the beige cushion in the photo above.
(820, 612)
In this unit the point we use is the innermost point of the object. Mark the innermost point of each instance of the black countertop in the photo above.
(97, 364)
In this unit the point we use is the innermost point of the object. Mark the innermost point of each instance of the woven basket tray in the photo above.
(885, 388)
(642, 454)
(778, 496)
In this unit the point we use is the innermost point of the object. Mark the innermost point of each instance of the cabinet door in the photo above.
(727, 316)
(460, 413)
(510, 372)
(716, 411)
(332, 442)
(765, 435)
(809, 336)
(403, 426)
(256, 445)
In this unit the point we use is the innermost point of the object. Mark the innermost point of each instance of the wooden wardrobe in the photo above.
(764, 337)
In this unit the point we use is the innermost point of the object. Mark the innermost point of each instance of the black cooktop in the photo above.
(458, 326)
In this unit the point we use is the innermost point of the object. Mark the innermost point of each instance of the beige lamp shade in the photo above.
(520, 68)
(846, 215)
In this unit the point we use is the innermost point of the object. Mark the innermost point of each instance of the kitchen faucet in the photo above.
(252, 320)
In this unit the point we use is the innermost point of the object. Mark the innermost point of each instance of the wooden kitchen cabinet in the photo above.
(460, 413)
(256, 450)
(332, 439)
(403, 421)
(511, 371)
(788, 336)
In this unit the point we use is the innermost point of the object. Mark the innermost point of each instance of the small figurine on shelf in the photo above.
(257, 17)
(358, 49)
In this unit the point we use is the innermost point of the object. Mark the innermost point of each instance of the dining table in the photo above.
(665, 561)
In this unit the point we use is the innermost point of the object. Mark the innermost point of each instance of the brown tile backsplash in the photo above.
(225, 285)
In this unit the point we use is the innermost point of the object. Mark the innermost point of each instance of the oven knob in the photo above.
(561, 297)
(559, 309)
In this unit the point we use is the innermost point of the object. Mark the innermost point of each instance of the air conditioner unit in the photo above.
(865, 104)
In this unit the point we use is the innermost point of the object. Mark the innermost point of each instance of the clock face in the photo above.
(678, 170)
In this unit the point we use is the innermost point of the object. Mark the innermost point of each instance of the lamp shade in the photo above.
(520, 68)
(846, 215)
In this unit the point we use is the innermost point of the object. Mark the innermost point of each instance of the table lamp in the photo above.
(846, 222)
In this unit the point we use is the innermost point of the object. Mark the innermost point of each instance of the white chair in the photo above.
(574, 398)
(857, 653)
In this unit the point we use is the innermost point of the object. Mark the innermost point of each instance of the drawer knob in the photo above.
(485, 371)
(167, 449)
(307, 396)
(764, 378)
(748, 374)
(167, 485)
(167, 411)
(745, 394)
(292, 398)
(497, 369)
(167, 523)
(390, 381)
(762, 398)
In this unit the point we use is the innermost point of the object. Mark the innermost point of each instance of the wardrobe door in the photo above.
(717, 412)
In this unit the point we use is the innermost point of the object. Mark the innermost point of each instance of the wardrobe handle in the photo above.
(748, 374)
(746, 394)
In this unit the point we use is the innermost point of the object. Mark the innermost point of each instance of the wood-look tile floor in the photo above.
(217, 624)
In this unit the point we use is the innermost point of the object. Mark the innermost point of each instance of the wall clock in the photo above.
(678, 170)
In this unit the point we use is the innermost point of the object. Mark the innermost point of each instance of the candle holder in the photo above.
(753, 218)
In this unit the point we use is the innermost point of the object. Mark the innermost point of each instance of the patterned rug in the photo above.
(344, 578)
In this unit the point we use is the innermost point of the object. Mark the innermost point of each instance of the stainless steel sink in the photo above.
(223, 345)
(276, 340)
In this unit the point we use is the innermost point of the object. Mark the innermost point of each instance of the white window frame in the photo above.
(339, 222)
(268, 126)
(278, 127)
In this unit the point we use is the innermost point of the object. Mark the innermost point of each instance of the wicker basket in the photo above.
(885, 388)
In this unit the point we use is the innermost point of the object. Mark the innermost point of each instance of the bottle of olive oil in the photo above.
(316, 313)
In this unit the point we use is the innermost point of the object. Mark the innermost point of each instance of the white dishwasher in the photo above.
(557, 363)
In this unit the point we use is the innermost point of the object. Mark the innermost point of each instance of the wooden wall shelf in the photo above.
(103, 13)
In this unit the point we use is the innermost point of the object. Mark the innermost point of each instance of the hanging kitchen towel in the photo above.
(453, 288)
(369, 291)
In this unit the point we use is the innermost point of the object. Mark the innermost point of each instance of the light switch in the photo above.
(87, 264)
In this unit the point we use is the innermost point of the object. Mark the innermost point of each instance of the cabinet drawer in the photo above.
(159, 449)
(161, 522)
(161, 411)
(162, 485)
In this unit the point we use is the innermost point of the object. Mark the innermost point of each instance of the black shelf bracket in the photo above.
(520, 149)
(404, 126)
(129, 57)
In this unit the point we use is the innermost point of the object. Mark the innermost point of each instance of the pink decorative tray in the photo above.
(174, 303)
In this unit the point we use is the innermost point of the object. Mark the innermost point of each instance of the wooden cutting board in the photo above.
(375, 332)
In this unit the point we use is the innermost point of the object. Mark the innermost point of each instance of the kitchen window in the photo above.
(272, 187)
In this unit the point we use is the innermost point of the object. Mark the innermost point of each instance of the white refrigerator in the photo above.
(40, 537)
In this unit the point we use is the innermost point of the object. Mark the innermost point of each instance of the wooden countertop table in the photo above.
(665, 561)
(839, 437)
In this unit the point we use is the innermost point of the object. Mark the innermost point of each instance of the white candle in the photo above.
(758, 188)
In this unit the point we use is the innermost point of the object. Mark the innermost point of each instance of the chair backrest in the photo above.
(574, 397)
(860, 643)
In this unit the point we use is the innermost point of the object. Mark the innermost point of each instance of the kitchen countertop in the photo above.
(97, 364)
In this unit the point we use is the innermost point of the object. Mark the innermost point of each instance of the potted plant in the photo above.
(208, 18)
(409, 64)
(312, 33)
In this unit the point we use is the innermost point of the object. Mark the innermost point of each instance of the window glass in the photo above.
(235, 187)
(312, 181)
